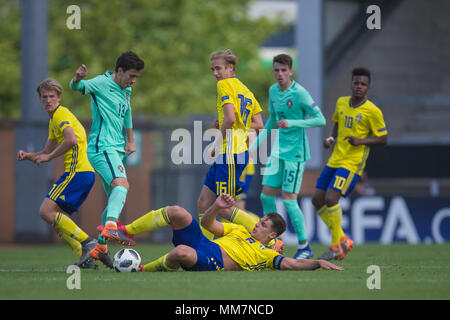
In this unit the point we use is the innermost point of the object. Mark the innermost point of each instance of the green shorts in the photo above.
(109, 165)
(284, 175)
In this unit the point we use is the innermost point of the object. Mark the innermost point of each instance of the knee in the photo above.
(175, 212)
(331, 202)
(332, 198)
(317, 203)
(46, 215)
(180, 253)
(318, 200)
(120, 182)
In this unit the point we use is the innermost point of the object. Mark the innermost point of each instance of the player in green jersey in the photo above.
(292, 110)
(107, 146)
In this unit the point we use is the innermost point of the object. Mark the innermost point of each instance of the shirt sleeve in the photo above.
(224, 93)
(61, 120)
(377, 124)
(227, 228)
(276, 259)
(306, 102)
(270, 124)
(317, 119)
(256, 107)
(51, 134)
(335, 117)
(128, 121)
(87, 86)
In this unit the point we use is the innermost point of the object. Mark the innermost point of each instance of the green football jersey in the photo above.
(111, 112)
(295, 105)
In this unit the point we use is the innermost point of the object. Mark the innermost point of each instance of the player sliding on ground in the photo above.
(236, 248)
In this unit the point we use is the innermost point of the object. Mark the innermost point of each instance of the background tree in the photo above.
(174, 38)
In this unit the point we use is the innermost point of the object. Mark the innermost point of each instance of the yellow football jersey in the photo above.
(233, 91)
(246, 251)
(75, 159)
(360, 121)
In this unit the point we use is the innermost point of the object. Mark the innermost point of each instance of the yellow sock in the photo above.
(335, 217)
(72, 243)
(244, 218)
(64, 224)
(325, 216)
(205, 232)
(158, 265)
(152, 220)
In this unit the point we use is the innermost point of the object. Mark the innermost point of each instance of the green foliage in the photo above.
(173, 37)
(10, 59)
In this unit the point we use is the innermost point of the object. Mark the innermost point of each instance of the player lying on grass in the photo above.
(234, 249)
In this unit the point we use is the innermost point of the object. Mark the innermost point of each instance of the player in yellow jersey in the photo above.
(235, 249)
(359, 124)
(238, 111)
(66, 137)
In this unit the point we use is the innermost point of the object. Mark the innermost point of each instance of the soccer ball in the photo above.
(127, 260)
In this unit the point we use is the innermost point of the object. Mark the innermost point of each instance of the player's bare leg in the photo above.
(205, 200)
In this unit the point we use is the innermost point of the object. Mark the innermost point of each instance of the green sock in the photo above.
(116, 202)
(297, 219)
(269, 203)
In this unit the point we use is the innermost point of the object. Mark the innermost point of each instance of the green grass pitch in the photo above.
(406, 272)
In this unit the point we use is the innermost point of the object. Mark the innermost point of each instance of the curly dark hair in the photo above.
(129, 60)
(361, 71)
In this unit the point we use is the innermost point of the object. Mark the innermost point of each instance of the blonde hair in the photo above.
(50, 84)
(226, 55)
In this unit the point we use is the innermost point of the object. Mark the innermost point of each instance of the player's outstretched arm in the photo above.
(80, 73)
(50, 145)
(209, 222)
(76, 83)
(382, 140)
(55, 150)
(23, 155)
(306, 264)
(328, 142)
(130, 147)
(257, 122)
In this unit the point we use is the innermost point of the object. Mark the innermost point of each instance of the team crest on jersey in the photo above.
(120, 168)
(358, 118)
(289, 103)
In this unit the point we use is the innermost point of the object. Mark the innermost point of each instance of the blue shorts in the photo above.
(71, 189)
(339, 179)
(209, 256)
(223, 176)
(246, 180)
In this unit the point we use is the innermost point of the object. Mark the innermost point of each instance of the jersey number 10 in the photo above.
(348, 122)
